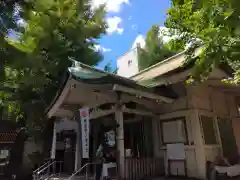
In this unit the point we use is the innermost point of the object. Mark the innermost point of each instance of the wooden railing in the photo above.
(138, 168)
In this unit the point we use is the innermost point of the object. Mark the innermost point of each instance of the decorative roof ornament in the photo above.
(81, 71)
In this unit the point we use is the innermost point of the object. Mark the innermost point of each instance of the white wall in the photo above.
(128, 63)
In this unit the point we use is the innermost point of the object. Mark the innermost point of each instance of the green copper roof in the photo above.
(154, 82)
(85, 72)
(90, 75)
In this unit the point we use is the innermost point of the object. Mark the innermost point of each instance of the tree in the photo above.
(7, 16)
(214, 25)
(35, 63)
(108, 68)
(154, 50)
(7, 22)
(176, 45)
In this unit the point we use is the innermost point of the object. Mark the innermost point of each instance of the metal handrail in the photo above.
(79, 170)
(48, 166)
(41, 166)
(38, 174)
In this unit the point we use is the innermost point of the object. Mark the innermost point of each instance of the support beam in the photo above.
(149, 95)
(71, 107)
(92, 87)
(138, 112)
(120, 142)
(143, 101)
(96, 113)
(76, 107)
(54, 141)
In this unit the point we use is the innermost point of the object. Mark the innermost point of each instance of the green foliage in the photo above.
(154, 50)
(7, 16)
(214, 25)
(175, 45)
(34, 65)
(108, 68)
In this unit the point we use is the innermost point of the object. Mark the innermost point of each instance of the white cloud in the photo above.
(139, 40)
(111, 5)
(101, 48)
(164, 32)
(114, 25)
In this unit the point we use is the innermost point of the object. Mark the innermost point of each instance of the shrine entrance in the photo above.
(100, 128)
(110, 100)
(66, 150)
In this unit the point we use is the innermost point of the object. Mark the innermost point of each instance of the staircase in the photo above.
(65, 177)
(52, 170)
(48, 170)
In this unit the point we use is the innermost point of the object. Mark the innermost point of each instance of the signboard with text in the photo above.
(84, 118)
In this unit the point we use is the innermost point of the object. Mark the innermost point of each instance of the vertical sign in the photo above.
(84, 118)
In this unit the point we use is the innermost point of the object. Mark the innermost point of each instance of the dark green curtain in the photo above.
(138, 137)
(148, 136)
(227, 137)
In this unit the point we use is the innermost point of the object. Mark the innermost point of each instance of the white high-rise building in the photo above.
(128, 63)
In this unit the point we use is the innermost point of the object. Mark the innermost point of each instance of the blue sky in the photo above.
(127, 20)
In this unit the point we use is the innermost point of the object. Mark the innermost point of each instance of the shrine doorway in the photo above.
(65, 151)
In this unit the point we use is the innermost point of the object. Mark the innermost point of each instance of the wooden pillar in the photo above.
(78, 153)
(54, 141)
(78, 148)
(155, 135)
(196, 132)
(120, 141)
(199, 145)
(96, 128)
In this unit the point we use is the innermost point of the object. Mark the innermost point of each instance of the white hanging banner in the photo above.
(84, 118)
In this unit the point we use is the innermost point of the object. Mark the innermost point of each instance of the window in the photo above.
(174, 131)
(129, 62)
(208, 128)
(229, 146)
(238, 105)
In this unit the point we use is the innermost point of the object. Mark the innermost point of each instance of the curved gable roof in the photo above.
(88, 75)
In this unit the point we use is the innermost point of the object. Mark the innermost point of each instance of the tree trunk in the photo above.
(1, 112)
